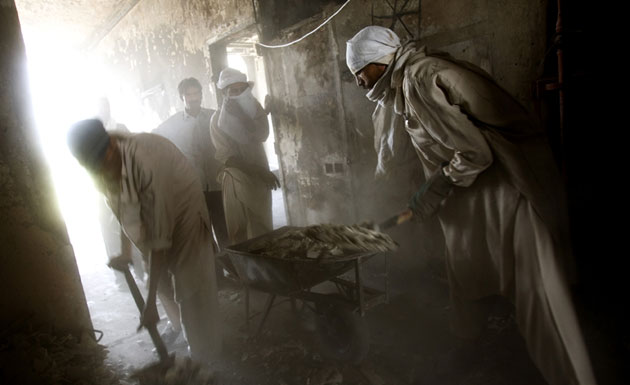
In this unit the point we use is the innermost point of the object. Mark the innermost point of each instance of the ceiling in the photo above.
(75, 23)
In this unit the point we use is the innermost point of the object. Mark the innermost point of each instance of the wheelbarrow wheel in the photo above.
(343, 335)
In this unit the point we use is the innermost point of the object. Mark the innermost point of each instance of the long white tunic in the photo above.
(504, 221)
(246, 198)
(160, 205)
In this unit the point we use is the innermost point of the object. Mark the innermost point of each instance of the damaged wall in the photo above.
(39, 276)
(159, 43)
(321, 105)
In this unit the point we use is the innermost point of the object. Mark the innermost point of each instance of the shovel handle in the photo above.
(137, 297)
(395, 220)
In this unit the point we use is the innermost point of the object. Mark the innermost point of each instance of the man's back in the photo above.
(165, 185)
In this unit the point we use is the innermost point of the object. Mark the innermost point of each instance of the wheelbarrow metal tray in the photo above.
(284, 276)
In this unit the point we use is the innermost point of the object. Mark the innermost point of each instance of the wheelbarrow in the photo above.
(342, 330)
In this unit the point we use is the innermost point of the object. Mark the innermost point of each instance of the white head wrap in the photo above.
(230, 76)
(371, 45)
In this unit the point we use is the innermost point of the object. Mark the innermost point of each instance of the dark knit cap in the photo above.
(88, 141)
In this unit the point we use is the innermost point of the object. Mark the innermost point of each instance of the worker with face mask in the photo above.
(238, 131)
(492, 182)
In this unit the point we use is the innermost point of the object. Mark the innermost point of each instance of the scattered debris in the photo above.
(183, 371)
(39, 355)
(328, 375)
(370, 375)
(323, 241)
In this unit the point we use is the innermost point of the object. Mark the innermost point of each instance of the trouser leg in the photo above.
(167, 299)
(544, 310)
(235, 217)
(259, 223)
(201, 323)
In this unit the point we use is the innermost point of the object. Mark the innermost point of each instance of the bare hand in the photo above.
(120, 262)
(150, 316)
(270, 179)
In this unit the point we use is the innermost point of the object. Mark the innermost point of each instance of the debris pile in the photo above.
(323, 241)
(35, 356)
(183, 371)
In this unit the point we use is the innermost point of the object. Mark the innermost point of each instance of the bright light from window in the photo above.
(62, 85)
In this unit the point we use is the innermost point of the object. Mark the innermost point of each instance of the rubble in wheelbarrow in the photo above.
(324, 241)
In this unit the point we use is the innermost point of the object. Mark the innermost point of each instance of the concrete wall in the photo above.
(161, 42)
(39, 276)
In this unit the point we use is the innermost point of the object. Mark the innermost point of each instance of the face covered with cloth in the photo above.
(239, 105)
(370, 56)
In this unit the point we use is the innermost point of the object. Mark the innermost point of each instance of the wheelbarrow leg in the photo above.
(268, 306)
(359, 285)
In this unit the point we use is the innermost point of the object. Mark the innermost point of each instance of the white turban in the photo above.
(230, 76)
(372, 44)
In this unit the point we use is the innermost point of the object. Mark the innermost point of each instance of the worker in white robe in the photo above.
(492, 181)
(238, 130)
(157, 197)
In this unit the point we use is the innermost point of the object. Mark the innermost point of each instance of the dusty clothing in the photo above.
(246, 198)
(504, 221)
(160, 205)
(113, 236)
(190, 135)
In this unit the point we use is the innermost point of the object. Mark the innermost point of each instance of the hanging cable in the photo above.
(308, 34)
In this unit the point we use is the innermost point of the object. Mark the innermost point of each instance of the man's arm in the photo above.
(255, 170)
(257, 126)
(431, 100)
(157, 267)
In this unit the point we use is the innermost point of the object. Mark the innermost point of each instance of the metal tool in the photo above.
(122, 265)
(395, 220)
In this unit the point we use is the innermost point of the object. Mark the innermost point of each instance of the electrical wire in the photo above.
(308, 34)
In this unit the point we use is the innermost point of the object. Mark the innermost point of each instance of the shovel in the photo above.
(393, 221)
(122, 265)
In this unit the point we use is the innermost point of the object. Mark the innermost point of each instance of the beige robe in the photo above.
(160, 206)
(246, 198)
(504, 222)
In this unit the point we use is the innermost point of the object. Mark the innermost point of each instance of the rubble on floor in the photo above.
(40, 355)
(182, 371)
